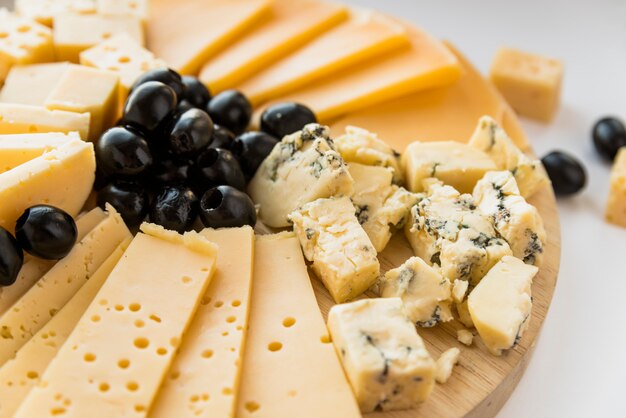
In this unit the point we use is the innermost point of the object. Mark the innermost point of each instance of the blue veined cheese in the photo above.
(519, 222)
(423, 290)
(500, 305)
(382, 354)
(490, 138)
(342, 254)
(381, 207)
(303, 167)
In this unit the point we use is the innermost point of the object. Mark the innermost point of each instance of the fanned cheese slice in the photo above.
(22, 119)
(18, 149)
(204, 378)
(115, 359)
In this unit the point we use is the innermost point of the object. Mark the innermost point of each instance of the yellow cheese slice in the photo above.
(424, 64)
(17, 149)
(20, 374)
(363, 36)
(42, 301)
(290, 367)
(31, 84)
(215, 23)
(115, 359)
(44, 10)
(289, 26)
(204, 378)
(21, 119)
(62, 177)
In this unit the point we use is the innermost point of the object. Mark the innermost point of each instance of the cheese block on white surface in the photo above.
(18, 149)
(22, 119)
(385, 359)
(445, 363)
(290, 367)
(615, 211)
(205, 376)
(32, 84)
(20, 374)
(44, 11)
(137, 8)
(121, 349)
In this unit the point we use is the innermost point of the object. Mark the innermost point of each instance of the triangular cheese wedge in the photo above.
(16, 150)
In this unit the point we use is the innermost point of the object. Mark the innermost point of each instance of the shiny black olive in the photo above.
(129, 199)
(192, 131)
(166, 76)
(150, 106)
(231, 109)
(11, 258)
(609, 135)
(196, 92)
(222, 137)
(251, 148)
(175, 208)
(567, 174)
(286, 118)
(226, 207)
(216, 167)
(170, 172)
(122, 152)
(184, 106)
(46, 232)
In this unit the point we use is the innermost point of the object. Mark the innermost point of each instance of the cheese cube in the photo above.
(529, 82)
(44, 11)
(445, 364)
(517, 221)
(616, 205)
(32, 84)
(383, 356)
(454, 163)
(74, 33)
(88, 90)
(303, 167)
(15, 150)
(342, 254)
(490, 138)
(425, 293)
(22, 119)
(137, 8)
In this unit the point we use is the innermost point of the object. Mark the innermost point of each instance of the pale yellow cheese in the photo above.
(20, 374)
(138, 8)
(290, 367)
(288, 26)
(21, 119)
(205, 375)
(187, 50)
(42, 301)
(17, 149)
(115, 359)
(365, 35)
(44, 11)
(445, 363)
(31, 84)
(616, 204)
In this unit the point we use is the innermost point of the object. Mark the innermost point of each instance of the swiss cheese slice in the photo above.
(215, 23)
(16, 150)
(20, 374)
(204, 378)
(115, 359)
(44, 10)
(138, 8)
(31, 84)
(42, 301)
(290, 25)
(22, 119)
(290, 367)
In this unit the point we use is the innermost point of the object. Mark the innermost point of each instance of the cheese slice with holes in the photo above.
(289, 364)
(44, 10)
(20, 374)
(115, 359)
(22, 119)
(137, 8)
(187, 50)
(16, 150)
(205, 376)
(289, 26)
(31, 84)
(42, 301)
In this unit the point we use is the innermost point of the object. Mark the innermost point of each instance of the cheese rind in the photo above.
(44, 11)
(16, 150)
(22, 119)
(445, 364)
(616, 204)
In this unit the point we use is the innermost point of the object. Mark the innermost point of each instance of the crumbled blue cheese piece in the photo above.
(423, 290)
(459, 290)
(303, 167)
(445, 364)
(384, 358)
(342, 254)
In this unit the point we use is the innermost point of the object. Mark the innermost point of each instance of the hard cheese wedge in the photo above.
(21, 119)
(364, 36)
(185, 50)
(17, 149)
(289, 26)
(31, 84)
(290, 367)
(115, 359)
(204, 378)
(42, 301)
(20, 374)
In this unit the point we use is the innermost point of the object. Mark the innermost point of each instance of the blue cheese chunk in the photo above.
(342, 254)
(384, 358)
(303, 167)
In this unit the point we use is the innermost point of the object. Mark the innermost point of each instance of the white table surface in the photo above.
(579, 365)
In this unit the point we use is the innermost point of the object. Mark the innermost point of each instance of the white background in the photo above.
(579, 366)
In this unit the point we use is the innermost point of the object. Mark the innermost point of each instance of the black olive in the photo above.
(122, 152)
(227, 207)
(231, 109)
(196, 92)
(567, 174)
(11, 258)
(251, 148)
(170, 172)
(166, 76)
(175, 208)
(216, 167)
(184, 106)
(150, 106)
(286, 118)
(46, 232)
(222, 137)
(192, 132)
(609, 135)
(129, 199)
